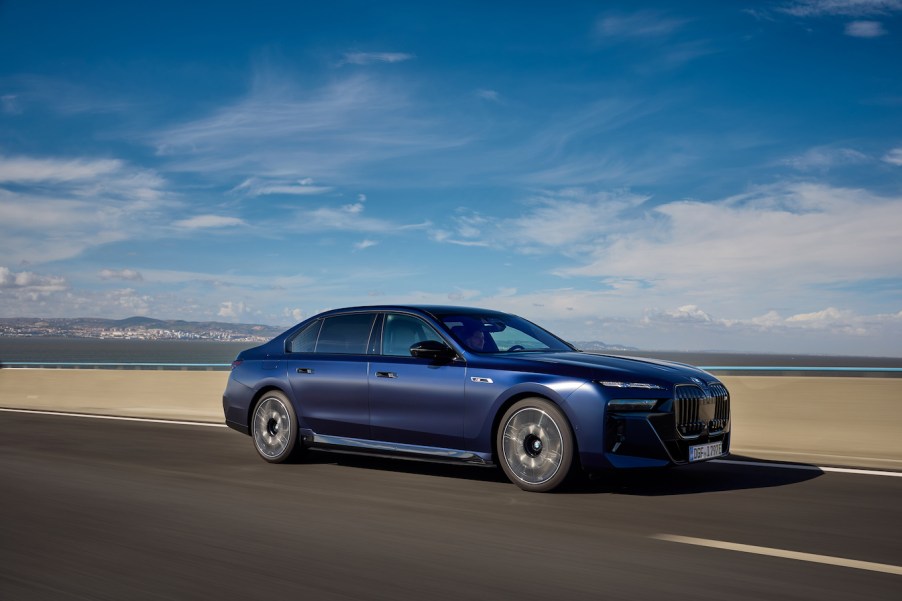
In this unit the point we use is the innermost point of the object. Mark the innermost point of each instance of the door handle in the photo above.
(305, 370)
(386, 374)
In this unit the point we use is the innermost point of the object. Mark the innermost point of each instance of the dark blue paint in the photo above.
(438, 404)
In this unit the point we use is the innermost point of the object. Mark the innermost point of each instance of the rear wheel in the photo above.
(274, 428)
(535, 445)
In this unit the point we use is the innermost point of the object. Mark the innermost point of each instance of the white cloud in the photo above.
(569, 221)
(121, 274)
(30, 282)
(835, 321)
(282, 131)
(865, 29)
(490, 95)
(208, 221)
(349, 217)
(894, 157)
(841, 8)
(684, 314)
(130, 302)
(368, 58)
(642, 24)
(828, 315)
(232, 310)
(295, 314)
(364, 244)
(767, 242)
(52, 209)
(824, 158)
(774, 246)
(9, 104)
(27, 170)
(24, 288)
(261, 187)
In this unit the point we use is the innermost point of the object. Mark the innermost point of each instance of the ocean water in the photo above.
(93, 350)
(90, 350)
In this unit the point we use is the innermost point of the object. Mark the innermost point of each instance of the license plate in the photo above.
(705, 451)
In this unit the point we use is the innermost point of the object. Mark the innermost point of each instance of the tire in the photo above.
(274, 429)
(535, 445)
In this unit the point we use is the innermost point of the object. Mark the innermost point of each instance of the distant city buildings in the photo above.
(109, 329)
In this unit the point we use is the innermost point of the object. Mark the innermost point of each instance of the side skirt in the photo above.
(393, 450)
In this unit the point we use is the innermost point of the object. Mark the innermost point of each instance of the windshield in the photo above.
(501, 333)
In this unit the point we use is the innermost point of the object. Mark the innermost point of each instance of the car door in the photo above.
(327, 369)
(415, 401)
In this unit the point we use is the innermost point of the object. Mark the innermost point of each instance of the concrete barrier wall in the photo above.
(827, 421)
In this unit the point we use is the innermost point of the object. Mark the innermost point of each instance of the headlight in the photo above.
(632, 404)
(643, 385)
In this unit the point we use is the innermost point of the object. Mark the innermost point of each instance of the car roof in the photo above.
(433, 310)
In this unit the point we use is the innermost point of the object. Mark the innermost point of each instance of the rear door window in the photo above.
(345, 334)
(305, 340)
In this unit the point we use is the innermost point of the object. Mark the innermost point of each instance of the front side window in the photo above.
(403, 331)
(345, 334)
(499, 332)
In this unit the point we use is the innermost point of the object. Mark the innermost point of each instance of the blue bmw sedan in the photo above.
(470, 385)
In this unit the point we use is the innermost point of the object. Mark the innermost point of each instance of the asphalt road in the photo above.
(100, 509)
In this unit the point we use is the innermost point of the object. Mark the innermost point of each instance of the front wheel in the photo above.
(274, 428)
(535, 445)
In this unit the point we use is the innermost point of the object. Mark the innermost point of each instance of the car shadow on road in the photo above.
(737, 473)
(705, 477)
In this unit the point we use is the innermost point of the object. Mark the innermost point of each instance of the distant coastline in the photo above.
(135, 328)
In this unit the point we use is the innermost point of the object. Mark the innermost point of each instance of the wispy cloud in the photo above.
(61, 96)
(774, 243)
(9, 104)
(28, 170)
(121, 274)
(283, 132)
(569, 221)
(639, 25)
(52, 208)
(841, 8)
(894, 157)
(263, 187)
(208, 221)
(364, 244)
(771, 246)
(824, 158)
(368, 58)
(349, 218)
(865, 29)
(490, 95)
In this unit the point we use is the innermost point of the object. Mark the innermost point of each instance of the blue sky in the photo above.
(667, 175)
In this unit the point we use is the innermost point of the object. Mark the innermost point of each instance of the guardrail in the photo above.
(91, 365)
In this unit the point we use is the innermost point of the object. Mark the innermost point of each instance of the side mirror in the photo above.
(432, 349)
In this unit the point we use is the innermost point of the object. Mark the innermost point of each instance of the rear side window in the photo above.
(345, 334)
(305, 340)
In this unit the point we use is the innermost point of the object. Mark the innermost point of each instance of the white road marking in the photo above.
(813, 468)
(783, 553)
(750, 452)
(116, 417)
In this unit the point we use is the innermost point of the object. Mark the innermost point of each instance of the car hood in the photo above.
(628, 369)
